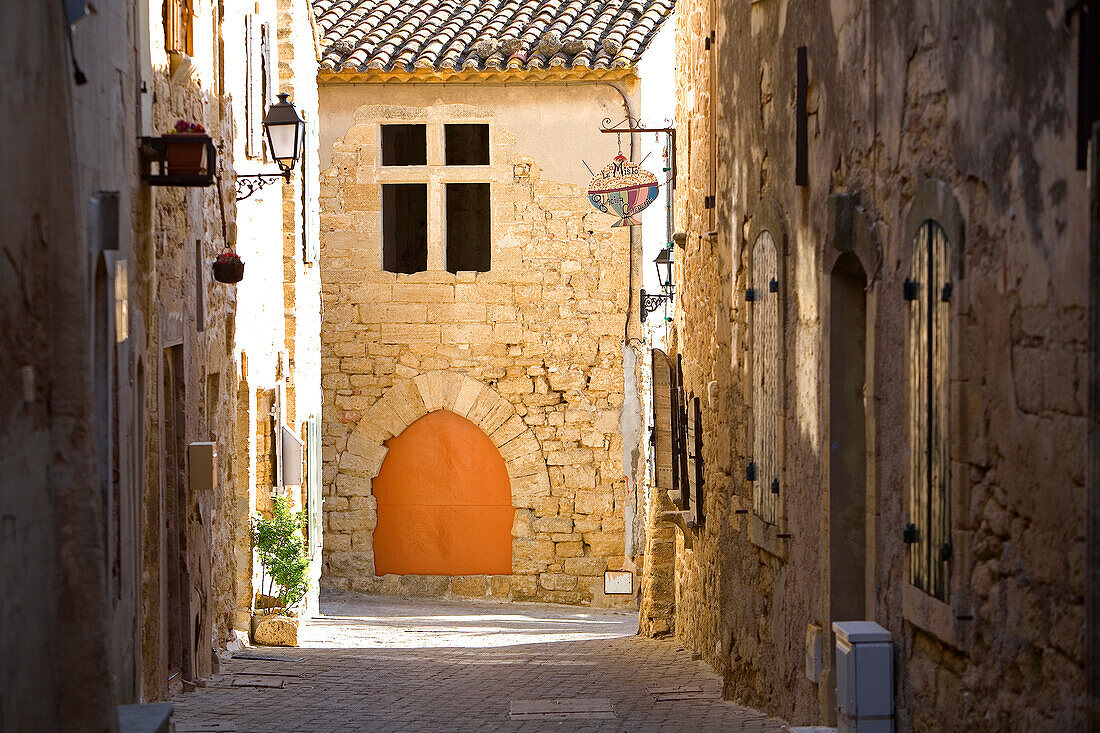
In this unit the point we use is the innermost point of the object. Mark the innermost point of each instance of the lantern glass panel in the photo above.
(664, 268)
(284, 141)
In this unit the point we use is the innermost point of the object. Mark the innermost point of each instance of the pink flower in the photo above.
(183, 127)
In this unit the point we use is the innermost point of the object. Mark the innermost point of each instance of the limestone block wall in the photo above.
(892, 113)
(238, 343)
(531, 351)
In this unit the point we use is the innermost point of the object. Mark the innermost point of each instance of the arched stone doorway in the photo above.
(444, 501)
(353, 512)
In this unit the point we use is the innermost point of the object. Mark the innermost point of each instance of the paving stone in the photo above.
(410, 664)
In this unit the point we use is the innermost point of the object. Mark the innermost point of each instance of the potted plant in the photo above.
(185, 149)
(283, 554)
(228, 268)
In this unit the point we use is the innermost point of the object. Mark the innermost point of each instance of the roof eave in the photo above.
(457, 76)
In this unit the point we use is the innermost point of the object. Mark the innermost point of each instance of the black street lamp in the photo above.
(284, 130)
(664, 268)
(650, 303)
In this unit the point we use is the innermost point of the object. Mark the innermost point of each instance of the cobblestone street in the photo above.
(395, 664)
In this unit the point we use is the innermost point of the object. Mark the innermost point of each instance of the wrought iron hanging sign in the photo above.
(624, 189)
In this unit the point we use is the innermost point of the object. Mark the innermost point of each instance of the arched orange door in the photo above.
(444, 502)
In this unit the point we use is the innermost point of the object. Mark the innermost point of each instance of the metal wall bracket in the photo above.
(250, 183)
(651, 303)
(635, 125)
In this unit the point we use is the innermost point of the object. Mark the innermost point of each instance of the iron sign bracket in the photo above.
(635, 125)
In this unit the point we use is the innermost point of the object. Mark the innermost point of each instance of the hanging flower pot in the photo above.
(185, 149)
(228, 268)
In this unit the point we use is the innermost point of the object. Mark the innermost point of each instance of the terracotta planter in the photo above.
(185, 154)
(231, 271)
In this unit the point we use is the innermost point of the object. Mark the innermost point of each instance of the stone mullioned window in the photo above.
(405, 208)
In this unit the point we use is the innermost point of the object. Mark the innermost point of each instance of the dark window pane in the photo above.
(404, 145)
(468, 227)
(467, 144)
(405, 227)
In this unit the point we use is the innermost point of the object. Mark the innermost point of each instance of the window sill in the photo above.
(765, 536)
(179, 66)
(933, 616)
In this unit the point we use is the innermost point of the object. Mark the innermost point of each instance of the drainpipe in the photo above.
(1092, 526)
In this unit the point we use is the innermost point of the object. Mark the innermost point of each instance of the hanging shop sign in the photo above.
(623, 189)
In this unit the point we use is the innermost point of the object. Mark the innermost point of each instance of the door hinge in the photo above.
(750, 294)
(775, 486)
(945, 552)
(708, 202)
(945, 294)
(750, 471)
(773, 286)
(909, 289)
(910, 535)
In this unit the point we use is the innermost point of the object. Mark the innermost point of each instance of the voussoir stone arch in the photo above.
(411, 399)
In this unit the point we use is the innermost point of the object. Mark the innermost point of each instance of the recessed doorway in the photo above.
(444, 502)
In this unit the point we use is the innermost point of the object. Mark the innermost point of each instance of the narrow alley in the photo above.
(602, 365)
(397, 664)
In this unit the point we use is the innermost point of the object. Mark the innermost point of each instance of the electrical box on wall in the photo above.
(202, 466)
(293, 452)
(864, 677)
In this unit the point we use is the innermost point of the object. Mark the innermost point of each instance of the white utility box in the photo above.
(864, 677)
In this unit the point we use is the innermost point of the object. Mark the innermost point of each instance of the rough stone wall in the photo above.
(900, 93)
(242, 342)
(540, 335)
(67, 651)
(100, 296)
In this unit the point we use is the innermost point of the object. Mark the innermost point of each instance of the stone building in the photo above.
(124, 359)
(238, 364)
(480, 338)
(882, 302)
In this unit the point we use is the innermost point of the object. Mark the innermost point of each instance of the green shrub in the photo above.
(283, 552)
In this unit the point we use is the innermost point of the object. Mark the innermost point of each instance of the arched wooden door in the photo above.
(444, 502)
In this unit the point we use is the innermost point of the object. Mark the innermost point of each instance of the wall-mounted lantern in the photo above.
(285, 130)
(650, 303)
(664, 264)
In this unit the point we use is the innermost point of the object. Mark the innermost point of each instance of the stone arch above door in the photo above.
(411, 399)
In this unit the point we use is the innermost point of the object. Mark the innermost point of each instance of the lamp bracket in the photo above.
(250, 183)
(651, 303)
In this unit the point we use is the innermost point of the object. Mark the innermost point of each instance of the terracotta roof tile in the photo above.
(445, 35)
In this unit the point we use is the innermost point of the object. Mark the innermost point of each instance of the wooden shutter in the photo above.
(939, 539)
(253, 114)
(314, 515)
(690, 477)
(311, 246)
(172, 30)
(681, 437)
(663, 464)
(929, 291)
(697, 459)
(767, 378)
(917, 294)
(267, 88)
(187, 27)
